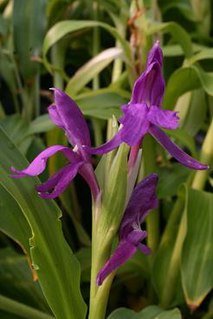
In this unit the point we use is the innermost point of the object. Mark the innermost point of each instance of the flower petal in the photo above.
(155, 54)
(56, 184)
(123, 252)
(142, 200)
(164, 118)
(38, 165)
(135, 237)
(70, 115)
(55, 116)
(106, 147)
(175, 151)
(135, 123)
(144, 249)
(149, 87)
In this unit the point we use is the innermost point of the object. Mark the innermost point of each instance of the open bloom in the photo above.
(143, 114)
(65, 114)
(142, 200)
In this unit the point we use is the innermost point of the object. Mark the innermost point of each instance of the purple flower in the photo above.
(65, 114)
(142, 200)
(143, 114)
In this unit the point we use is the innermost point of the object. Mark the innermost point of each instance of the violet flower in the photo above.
(142, 200)
(143, 114)
(65, 114)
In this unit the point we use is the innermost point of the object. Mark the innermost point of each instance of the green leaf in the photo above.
(181, 81)
(186, 79)
(12, 221)
(184, 7)
(102, 103)
(24, 311)
(16, 280)
(201, 55)
(151, 312)
(84, 257)
(41, 124)
(61, 29)
(18, 131)
(29, 20)
(177, 32)
(122, 313)
(195, 116)
(170, 179)
(166, 268)
(93, 67)
(57, 268)
(197, 259)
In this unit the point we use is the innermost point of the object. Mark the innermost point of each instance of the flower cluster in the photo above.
(142, 115)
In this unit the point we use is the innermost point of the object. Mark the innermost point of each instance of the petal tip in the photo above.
(99, 280)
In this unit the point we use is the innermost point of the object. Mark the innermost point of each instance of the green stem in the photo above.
(57, 56)
(176, 218)
(96, 40)
(206, 157)
(100, 253)
(174, 265)
(22, 310)
(37, 95)
(96, 123)
(149, 166)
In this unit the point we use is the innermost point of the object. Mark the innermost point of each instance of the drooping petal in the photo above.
(149, 87)
(142, 200)
(70, 115)
(155, 54)
(106, 147)
(135, 123)
(56, 184)
(175, 151)
(123, 252)
(38, 165)
(163, 118)
(87, 172)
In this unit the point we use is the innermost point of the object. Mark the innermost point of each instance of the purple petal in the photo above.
(70, 115)
(38, 165)
(135, 123)
(106, 147)
(135, 237)
(149, 87)
(155, 54)
(163, 118)
(87, 172)
(56, 184)
(142, 200)
(144, 249)
(123, 252)
(55, 116)
(175, 151)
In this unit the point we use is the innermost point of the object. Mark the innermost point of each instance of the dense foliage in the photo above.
(95, 50)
